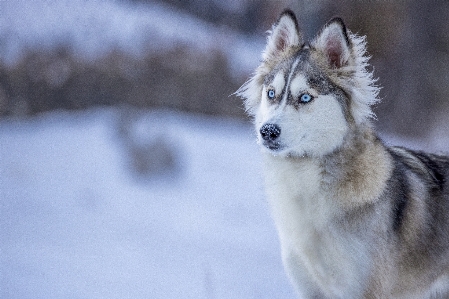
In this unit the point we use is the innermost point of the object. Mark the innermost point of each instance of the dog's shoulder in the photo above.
(432, 168)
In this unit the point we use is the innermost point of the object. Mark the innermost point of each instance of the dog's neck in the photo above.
(358, 171)
(353, 175)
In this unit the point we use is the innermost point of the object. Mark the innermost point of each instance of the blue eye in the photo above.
(271, 94)
(305, 98)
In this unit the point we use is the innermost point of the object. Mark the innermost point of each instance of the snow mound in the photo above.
(75, 224)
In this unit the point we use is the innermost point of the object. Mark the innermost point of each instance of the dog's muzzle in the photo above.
(270, 133)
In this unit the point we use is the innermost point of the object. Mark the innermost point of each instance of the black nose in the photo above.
(270, 132)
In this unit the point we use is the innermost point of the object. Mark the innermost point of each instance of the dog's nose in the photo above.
(270, 132)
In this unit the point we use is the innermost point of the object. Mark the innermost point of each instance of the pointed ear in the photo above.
(333, 41)
(284, 34)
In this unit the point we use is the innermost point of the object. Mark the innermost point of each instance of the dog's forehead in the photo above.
(278, 82)
(280, 69)
(297, 63)
(298, 84)
(303, 72)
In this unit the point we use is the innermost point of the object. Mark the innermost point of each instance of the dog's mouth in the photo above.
(272, 145)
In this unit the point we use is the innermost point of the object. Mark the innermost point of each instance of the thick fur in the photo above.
(356, 219)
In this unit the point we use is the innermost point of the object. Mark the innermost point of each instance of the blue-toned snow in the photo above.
(74, 223)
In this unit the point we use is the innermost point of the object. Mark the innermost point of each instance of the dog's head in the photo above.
(306, 97)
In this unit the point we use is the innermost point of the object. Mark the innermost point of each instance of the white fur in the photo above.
(301, 209)
(298, 86)
(364, 93)
(332, 39)
(286, 31)
(278, 82)
(314, 253)
(315, 129)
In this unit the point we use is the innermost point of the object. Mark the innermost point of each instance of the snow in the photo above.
(75, 223)
(94, 28)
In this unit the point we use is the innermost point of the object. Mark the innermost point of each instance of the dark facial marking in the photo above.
(316, 79)
(268, 80)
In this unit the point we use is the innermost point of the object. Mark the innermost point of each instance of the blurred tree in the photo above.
(408, 40)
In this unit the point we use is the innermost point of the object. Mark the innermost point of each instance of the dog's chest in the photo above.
(305, 218)
(296, 196)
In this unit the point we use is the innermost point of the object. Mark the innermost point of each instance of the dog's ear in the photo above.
(284, 35)
(333, 41)
(346, 52)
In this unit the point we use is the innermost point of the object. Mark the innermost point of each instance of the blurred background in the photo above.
(127, 167)
(191, 55)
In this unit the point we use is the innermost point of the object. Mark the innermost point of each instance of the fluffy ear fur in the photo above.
(346, 55)
(333, 41)
(282, 39)
(284, 35)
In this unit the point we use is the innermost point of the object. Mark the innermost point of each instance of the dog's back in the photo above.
(419, 193)
(356, 219)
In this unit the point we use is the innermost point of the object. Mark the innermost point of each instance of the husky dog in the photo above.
(355, 218)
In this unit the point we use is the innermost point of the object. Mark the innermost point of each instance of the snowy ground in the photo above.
(75, 223)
